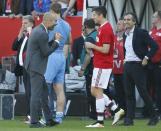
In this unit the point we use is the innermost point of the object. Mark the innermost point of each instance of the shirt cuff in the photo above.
(146, 57)
(57, 41)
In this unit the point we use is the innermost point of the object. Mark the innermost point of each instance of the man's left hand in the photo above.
(144, 62)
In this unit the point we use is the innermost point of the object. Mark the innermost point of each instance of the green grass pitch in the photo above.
(77, 124)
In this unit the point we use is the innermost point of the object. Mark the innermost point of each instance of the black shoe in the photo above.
(36, 125)
(153, 121)
(128, 122)
(51, 123)
(56, 123)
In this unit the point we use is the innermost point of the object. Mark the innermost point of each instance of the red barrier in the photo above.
(9, 29)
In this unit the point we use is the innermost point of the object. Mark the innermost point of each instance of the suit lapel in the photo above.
(134, 40)
(41, 26)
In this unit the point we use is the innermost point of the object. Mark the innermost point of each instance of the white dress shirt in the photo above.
(130, 54)
(21, 51)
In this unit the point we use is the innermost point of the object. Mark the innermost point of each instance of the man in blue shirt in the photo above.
(56, 62)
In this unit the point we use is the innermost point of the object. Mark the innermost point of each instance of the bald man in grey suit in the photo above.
(37, 54)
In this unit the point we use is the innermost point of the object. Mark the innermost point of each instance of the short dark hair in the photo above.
(159, 13)
(121, 18)
(89, 23)
(101, 10)
(56, 7)
(133, 16)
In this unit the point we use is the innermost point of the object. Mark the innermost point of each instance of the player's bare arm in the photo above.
(103, 49)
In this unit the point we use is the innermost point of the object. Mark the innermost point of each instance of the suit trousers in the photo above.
(27, 85)
(136, 74)
(91, 100)
(39, 97)
(157, 84)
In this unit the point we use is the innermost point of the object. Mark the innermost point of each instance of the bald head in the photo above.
(49, 20)
(48, 16)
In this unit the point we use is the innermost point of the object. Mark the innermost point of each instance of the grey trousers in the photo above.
(27, 85)
(39, 97)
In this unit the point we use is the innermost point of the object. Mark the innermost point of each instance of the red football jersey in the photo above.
(105, 36)
(156, 35)
(118, 56)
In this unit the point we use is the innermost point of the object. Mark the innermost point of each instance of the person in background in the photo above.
(40, 7)
(118, 64)
(64, 4)
(20, 45)
(155, 67)
(9, 7)
(1, 7)
(8, 4)
(79, 7)
(15, 6)
(103, 63)
(77, 48)
(26, 7)
(87, 66)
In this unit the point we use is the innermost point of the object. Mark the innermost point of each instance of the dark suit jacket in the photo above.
(77, 49)
(38, 50)
(16, 46)
(141, 42)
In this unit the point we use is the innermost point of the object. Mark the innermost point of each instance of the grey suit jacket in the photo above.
(38, 50)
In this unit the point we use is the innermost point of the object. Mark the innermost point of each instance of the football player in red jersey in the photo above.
(103, 64)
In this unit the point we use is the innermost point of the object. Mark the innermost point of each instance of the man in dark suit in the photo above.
(139, 48)
(20, 45)
(38, 50)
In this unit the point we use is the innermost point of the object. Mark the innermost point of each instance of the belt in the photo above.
(133, 62)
